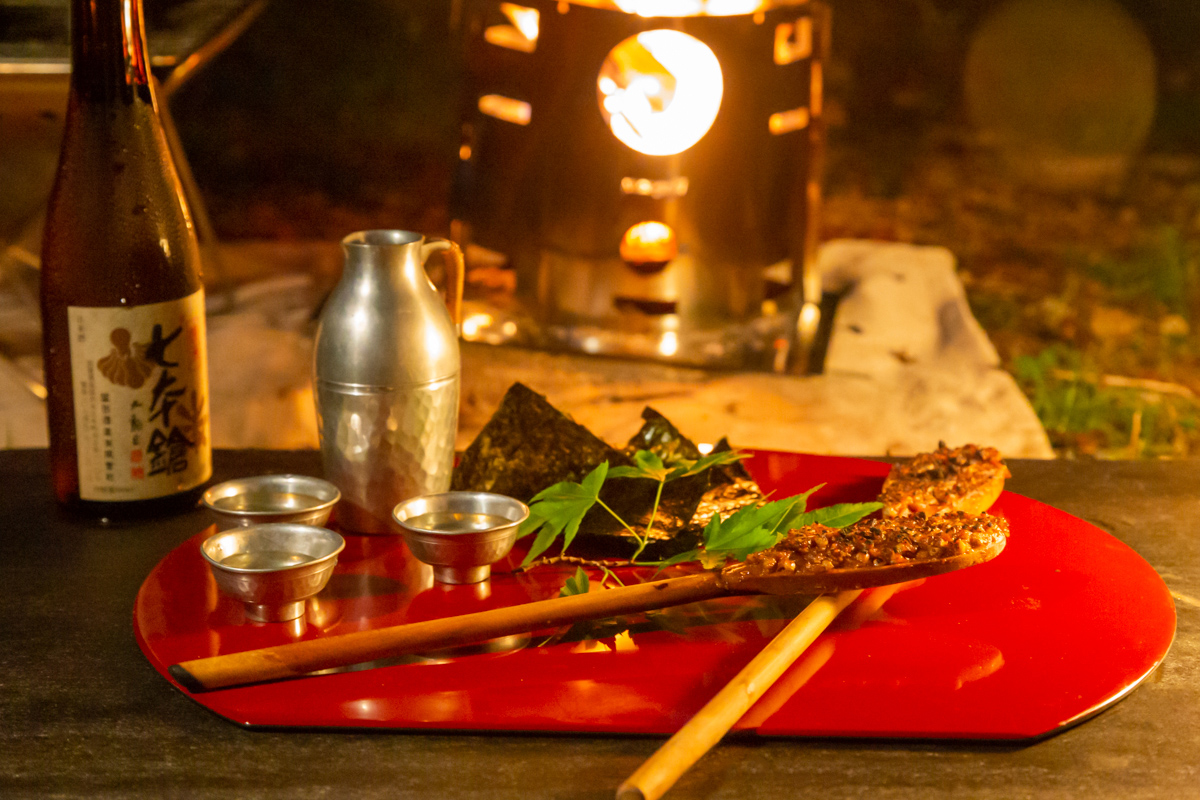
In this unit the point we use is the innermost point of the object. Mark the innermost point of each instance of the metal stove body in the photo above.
(650, 172)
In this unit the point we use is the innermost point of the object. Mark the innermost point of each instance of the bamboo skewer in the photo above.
(816, 656)
(712, 722)
(301, 658)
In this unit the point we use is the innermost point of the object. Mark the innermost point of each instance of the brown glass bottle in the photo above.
(122, 299)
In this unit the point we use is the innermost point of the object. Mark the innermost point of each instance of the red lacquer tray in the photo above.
(1066, 621)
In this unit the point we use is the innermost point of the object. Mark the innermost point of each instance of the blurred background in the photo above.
(1063, 173)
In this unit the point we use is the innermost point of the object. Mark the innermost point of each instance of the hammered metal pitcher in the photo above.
(386, 376)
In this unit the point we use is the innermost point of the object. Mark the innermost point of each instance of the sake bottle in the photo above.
(121, 297)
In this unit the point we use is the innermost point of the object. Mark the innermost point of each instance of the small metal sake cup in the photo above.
(460, 534)
(272, 498)
(274, 568)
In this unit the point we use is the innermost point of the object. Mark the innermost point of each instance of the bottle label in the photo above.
(141, 399)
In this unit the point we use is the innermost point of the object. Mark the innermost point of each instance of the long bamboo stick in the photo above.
(712, 722)
(300, 658)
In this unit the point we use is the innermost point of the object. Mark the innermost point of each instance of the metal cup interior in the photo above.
(272, 498)
(460, 534)
(273, 568)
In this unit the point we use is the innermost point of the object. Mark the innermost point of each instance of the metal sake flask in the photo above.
(386, 376)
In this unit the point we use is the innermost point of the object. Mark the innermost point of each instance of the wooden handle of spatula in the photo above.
(712, 722)
(300, 658)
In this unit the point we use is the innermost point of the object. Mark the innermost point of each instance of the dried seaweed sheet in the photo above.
(528, 445)
(730, 472)
(729, 486)
(661, 437)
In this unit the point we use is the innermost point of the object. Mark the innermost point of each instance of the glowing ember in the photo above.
(660, 91)
(649, 242)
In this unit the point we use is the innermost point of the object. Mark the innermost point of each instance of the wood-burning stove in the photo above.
(650, 169)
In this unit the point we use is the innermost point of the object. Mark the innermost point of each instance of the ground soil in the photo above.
(1098, 282)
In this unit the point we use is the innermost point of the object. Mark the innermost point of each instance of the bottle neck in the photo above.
(398, 267)
(108, 51)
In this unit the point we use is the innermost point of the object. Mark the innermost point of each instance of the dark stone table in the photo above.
(82, 713)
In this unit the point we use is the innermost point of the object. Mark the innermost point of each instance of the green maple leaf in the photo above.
(752, 529)
(745, 532)
(649, 465)
(559, 509)
(837, 516)
(646, 465)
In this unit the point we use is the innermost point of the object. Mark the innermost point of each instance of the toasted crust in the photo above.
(881, 542)
(871, 552)
(933, 522)
(968, 478)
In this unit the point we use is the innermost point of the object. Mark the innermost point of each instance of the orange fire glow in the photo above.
(649, 242)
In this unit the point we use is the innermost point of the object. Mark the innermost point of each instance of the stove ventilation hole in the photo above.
(787, 121)
(648, 247)
(655, 189)
(793, 41)
(688, 8)
(646, 307)
(517, 112)
(521, 35)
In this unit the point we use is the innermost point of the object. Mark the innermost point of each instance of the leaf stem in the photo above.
(608, 573)
(645, 540)
(617, 517)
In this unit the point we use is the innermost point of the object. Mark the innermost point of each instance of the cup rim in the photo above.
(338, 540)
(211, 494)
(521, 507)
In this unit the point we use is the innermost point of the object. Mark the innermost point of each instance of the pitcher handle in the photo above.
(455, 274)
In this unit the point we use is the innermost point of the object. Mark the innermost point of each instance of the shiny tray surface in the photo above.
(1065, 622)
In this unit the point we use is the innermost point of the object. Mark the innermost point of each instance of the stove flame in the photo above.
(660, 91)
